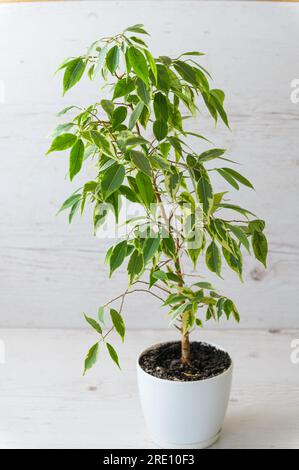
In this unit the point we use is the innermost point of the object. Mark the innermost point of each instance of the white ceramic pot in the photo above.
(184, 414)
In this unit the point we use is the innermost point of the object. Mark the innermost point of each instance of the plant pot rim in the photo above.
(182, 382)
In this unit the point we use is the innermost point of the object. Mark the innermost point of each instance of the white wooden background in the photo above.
(50, 272)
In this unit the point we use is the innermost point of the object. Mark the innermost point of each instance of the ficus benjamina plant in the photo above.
(141, 152)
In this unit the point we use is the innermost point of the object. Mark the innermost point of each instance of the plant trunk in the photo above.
(185, 348)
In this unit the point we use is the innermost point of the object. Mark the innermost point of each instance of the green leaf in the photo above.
(91, 357)
(119, 115)
(237, 176)
(103, 143)
(145, 189)
(186, 72)
(138, 63)
(240, 234)
(123, 87)
(128, 193)
(118, 323)
(213, 258)
(69, 202)
(217, 97)
(73, 211)
(258, 225)
(142, 92)
(234, 260)
(236, 208)
(260, 247)
(112, 180)
(100, 61)
(152, 64)
(112, 59)
(76, 158)
(141, 161)
(65, 110)
(204, 192)
(113, 354)
(88, 187)
(150, 248)
(62, 142)
(194, 53)
(94, 324)
(160, 129)
(118, 255)
(135, 265)
(101, 312)
(73, 73)
(227, 177)
(135, 115)
(108, 107)
(204, 285)
(160, 106)
(137, 28)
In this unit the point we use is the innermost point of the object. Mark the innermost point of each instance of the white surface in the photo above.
(181, 414)
(53, 272)
(45, 401)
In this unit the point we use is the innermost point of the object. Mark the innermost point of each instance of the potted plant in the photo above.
(136, 137)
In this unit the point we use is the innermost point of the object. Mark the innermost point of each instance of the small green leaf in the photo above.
(112, 180)
(113, 354)
(76, 158)
(100, 61)
(150, 248)
(240, 234)
(101, 312)
(228, 177)
(94, 324)
(103, 143)
(108, 107)
(62, 142)
(135, 115)
(152, 64)
(234, 260)
(145, 189)
(142, 91)
(138, 63)
(119, 115)
(73, 73)
(260, 247)
(135, 265)
(204, 192)
(123, 87)
(118, 323)
(118, 255)
(91, 357)
(213, 258)
(137, 28)
(112, 59)
(141, 161)
(160, 129)
(160, 106)
(239, 177)
(69, 202)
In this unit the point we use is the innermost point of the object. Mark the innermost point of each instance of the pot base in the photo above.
(196, 445)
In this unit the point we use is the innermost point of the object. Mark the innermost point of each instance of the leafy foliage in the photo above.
(137, 139)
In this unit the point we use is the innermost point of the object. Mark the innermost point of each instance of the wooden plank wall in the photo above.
(50, 272)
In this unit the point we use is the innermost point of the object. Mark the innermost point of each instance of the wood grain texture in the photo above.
(50, 272)
(46, 403)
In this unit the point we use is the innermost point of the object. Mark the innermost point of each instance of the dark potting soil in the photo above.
(163, 361)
